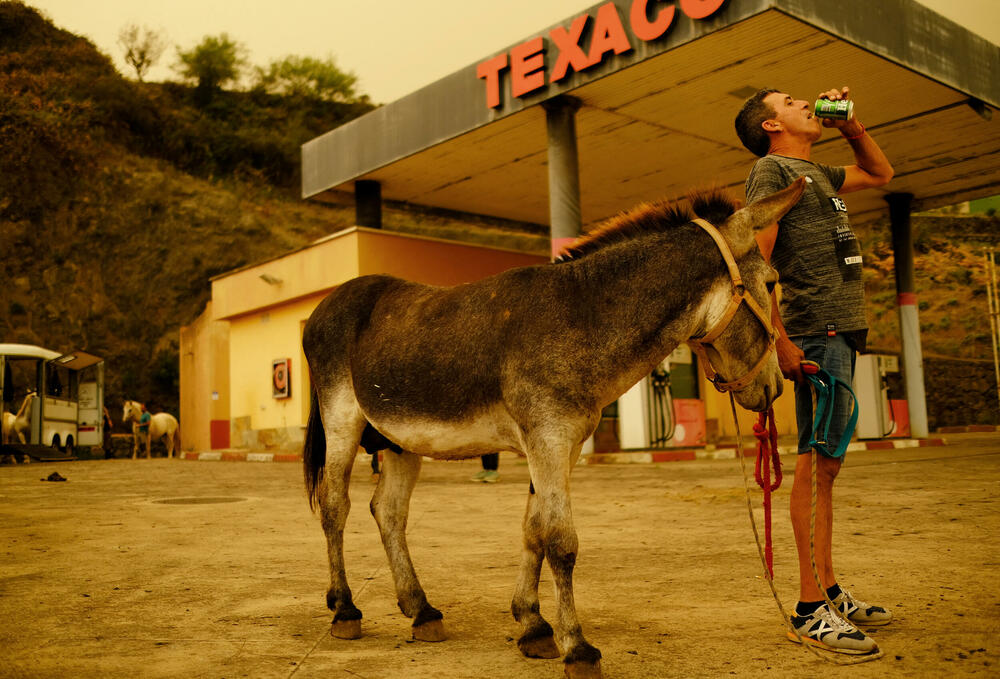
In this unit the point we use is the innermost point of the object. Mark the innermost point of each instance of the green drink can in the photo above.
(842, 109)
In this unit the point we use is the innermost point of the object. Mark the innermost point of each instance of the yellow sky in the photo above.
(394, 46)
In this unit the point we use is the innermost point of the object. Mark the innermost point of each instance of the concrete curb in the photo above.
(749, 450)
(970, 429)
(623, 457)
(240, 456)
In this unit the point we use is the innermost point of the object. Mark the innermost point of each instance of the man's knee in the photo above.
(827, 468)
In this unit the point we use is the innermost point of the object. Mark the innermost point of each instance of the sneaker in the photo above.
(480, 476)
(826, 630)
(491, 476)
(860, 613)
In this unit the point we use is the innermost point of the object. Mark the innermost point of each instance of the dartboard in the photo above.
(279, 378)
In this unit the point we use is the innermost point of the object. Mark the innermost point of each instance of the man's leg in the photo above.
(837, 358)
(814, 620)
(801, 510)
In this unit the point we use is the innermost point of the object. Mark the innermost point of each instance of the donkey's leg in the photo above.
(343, 424)
(551, 523)
(536, 640)
(390, 506)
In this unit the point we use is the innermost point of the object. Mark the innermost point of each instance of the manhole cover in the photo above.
(198, 500)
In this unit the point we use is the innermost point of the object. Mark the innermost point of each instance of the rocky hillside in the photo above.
(950, 274)
(120, 200)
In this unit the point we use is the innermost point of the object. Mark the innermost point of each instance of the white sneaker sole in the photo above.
(826, 647)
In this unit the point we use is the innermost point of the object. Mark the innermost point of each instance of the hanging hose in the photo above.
(661, 408)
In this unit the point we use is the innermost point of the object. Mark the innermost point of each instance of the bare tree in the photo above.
(143, 47)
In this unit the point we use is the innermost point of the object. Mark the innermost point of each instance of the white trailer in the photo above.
(69, 395)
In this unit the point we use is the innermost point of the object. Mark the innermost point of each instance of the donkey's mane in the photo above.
(713, 205)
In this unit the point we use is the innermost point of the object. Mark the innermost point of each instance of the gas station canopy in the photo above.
(659, 83)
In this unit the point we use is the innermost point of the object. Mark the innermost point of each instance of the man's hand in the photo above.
(837, 95)
(790, 358)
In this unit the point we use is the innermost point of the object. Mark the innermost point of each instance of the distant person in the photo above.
(144, 420)
(489, 473)
(106, 441)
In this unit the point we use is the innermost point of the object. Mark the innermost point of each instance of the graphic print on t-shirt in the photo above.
(848, 253)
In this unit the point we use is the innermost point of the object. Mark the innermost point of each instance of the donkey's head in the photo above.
(736, 340)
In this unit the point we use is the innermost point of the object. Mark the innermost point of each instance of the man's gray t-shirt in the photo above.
(817, 256)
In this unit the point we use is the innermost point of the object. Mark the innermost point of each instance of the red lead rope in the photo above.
(767, 456)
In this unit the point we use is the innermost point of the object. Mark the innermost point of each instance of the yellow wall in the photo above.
(436, 262)
(323, 265)
(255, 341)
(204, 370)
(717, 406)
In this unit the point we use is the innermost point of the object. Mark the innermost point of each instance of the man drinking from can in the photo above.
(821, 319)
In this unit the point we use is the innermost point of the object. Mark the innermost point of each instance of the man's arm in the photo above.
(766, 238)
(871, 169)
(790, 356)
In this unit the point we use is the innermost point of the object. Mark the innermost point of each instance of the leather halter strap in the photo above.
(740, 296)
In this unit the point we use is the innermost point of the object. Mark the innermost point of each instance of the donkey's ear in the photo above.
(739, 229)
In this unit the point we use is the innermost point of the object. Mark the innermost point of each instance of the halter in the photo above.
(740, 296)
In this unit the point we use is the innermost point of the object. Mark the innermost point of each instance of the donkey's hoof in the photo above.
(539, 647)
(430, 631)
(584, 670)
(346, 629)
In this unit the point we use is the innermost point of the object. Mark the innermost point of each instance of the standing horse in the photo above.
(525, 361)
(160, 425)
(16, 425)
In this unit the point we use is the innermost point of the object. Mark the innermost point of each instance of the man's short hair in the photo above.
(749, 123)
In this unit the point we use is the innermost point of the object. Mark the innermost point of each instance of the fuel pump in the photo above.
(876, 418)
(663, 409)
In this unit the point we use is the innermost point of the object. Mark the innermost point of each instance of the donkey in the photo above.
(525, 361)
(161, 425)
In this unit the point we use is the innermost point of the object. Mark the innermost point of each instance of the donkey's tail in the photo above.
(314, 452)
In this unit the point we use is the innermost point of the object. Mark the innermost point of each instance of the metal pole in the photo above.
(368, 203)
(991, 295)
(565, 223)
(909, 321)
(564, 171)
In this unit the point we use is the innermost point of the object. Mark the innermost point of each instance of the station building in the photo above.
(626, 101)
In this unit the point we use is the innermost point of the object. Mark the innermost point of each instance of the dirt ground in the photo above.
(217, 569)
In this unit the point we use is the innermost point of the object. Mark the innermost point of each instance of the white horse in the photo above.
(160, 425)
(18, 425)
